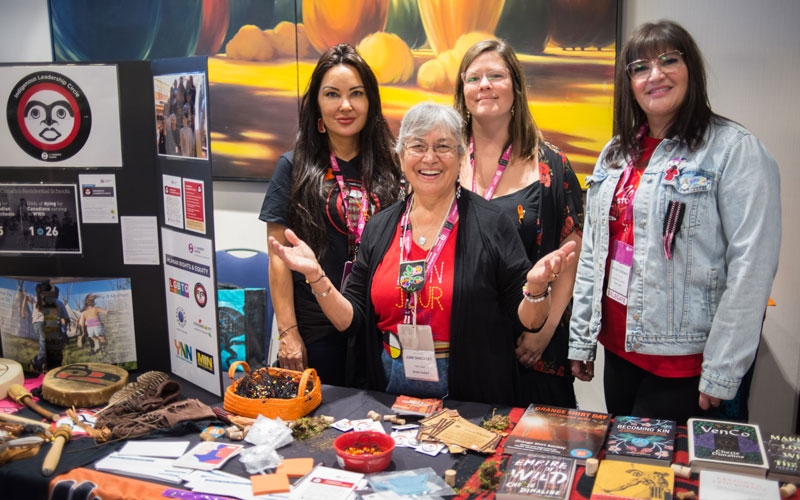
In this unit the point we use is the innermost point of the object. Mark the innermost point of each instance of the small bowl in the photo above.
(364, 463)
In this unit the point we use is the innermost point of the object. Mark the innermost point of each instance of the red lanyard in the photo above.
(355, 225)
(628, 217)
(498, 173)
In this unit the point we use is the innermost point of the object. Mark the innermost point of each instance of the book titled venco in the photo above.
(730, 446)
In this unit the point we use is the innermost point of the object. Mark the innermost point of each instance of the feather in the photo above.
(145, 382)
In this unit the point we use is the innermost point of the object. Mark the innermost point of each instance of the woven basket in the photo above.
(286, 409)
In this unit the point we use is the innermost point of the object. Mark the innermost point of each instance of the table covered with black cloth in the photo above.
(23, 479)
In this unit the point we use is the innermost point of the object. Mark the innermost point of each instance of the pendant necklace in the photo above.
(422, 240)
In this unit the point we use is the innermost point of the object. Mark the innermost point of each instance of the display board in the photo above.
(112, 180)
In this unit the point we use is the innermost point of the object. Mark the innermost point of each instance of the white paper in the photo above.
(155, 448)
(172, 191)
(139, 240)
(99, 199)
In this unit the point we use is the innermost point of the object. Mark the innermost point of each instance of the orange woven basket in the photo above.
(286, 409)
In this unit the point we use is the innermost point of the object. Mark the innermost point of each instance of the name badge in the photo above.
(419, 358)
(620, 274)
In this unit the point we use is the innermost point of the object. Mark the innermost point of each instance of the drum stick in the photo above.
(5, 417)
(60, 437)
(21, 395)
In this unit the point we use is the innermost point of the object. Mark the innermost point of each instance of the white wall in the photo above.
(25, 31)
(752, 50)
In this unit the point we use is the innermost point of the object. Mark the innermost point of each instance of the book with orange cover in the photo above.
(409, 405)
(553, 430)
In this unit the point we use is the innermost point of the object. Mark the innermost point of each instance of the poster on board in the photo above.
(88, 320)
(181, 117)
(39, 218)
(60, 116)
(191, 308)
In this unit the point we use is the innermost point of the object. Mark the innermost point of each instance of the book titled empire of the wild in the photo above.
(731, 446)
(560, 431)
(533, 476)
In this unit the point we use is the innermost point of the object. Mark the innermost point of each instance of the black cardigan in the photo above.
(490, 269)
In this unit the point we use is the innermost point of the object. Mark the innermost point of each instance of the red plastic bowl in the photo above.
(364, 463)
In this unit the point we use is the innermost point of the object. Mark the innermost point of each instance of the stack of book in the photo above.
(618, 480)
(726, 446)
(531, 476)
(565, 432)
(642, 440)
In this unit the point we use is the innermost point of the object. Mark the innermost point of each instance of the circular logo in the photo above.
(581, 453)
(49, 116)
(180, 316)
(200, 295)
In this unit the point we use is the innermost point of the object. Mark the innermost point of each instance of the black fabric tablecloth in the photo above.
(23, 479)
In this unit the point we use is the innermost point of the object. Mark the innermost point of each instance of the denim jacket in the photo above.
(711, 295)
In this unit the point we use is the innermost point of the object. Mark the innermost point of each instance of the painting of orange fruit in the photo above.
(262, 52)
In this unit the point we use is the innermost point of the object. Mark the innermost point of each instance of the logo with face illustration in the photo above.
(49, 116)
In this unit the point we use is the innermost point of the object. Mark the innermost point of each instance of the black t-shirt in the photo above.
(275, 208)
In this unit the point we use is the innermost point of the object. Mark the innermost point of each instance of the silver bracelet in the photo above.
(535, 298)
(323, 294)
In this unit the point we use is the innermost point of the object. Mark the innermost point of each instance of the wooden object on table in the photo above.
(10, 373)
(83, 385)
(60, 438)
(20, 394)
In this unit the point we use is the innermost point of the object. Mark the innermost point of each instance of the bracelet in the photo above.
(323, 294)
(317, 280)
(535, 298)
(281, 334)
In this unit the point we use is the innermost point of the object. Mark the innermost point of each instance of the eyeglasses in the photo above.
(420, 148)
(668, 62)
(493, 75)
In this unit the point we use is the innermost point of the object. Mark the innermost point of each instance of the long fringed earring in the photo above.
(512, 110)
(321, 126)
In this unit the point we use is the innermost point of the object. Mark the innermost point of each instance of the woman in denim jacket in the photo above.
(681, 240)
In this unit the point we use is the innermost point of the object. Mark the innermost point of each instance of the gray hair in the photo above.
(422, 118)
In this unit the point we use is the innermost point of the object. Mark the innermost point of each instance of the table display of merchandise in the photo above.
(155, 438)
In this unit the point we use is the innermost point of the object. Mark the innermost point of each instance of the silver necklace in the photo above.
(422, 240)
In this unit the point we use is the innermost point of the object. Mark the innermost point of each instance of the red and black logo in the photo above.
(49, 116)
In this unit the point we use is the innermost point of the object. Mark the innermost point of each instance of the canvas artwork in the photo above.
(85, 320)
(262, 52)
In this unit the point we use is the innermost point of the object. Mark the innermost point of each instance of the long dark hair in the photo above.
(380, 168)
(693, 116)
(522, 129)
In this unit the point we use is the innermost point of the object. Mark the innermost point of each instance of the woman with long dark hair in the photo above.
(681, 242)
(342, 170)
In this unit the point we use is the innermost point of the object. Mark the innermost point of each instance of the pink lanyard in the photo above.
(354, 227)
(433, 254)
(498, 174)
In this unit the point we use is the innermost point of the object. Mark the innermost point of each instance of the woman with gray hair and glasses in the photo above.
(439, 288)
